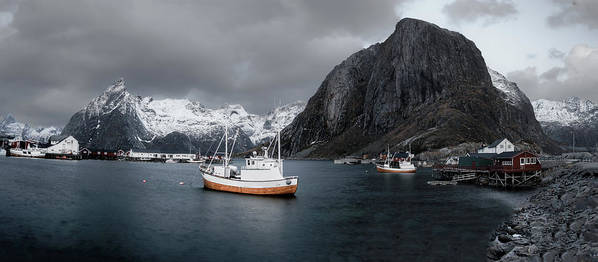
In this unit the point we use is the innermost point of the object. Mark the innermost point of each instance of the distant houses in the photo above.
(144, 155)
(67, 147)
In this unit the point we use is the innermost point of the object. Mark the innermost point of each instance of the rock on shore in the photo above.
(557, 223)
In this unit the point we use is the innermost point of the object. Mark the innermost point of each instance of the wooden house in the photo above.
(523, 161)
(498, 146)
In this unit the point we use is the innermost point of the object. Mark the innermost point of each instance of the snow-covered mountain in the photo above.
(10, 127)
(562, 119)
(508, 90)
(117, 119)
(572, 111)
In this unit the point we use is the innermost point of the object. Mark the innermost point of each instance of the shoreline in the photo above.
(558, 222)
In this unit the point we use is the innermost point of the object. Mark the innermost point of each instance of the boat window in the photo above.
(252, 162)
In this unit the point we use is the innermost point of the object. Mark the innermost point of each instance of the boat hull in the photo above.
(26, 153)
(285, 186)
(382, 169)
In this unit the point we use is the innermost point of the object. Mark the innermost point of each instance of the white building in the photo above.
(499, 146)
(153, 156)
(64, 146)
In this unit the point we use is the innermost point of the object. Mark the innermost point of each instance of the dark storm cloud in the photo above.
(61, 53)
(576, 77)
(571, 12)
(488, 11)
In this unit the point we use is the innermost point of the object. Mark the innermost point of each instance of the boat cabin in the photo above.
(261, 167)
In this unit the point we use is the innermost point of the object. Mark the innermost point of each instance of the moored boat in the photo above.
(393, 164)
(26, 149)
(261, 175)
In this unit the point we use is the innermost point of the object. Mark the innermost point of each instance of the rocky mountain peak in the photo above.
(117, 86)
(577, 104)
(8, 119)
(10, 126)
(509, 91)
(424, 85)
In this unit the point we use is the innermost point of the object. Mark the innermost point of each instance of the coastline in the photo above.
(559, 222)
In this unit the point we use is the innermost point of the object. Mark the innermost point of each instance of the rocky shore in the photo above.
(559, 222)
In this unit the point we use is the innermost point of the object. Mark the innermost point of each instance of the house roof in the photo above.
(508, 155)
(58, 137)
(495, 143)
(483, 155)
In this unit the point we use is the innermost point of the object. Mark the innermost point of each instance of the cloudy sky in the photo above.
(57, 55)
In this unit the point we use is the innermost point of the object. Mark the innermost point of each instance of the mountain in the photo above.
(561, 119)
(118, 120)
(425, 86)
(10, 127)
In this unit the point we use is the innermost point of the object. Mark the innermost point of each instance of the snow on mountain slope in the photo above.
(150, 118)
(9, 126)
(570, 111)
(509, 90)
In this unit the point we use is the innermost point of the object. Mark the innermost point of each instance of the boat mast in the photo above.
(225, 162)
(388, 154)
(279, 161)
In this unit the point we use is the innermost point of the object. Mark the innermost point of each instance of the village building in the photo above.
(146, 155)
(499, 146)
(101, 154)
(62, 147)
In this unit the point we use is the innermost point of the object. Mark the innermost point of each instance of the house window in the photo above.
(507, 163)
(502, 146)
(522, 161)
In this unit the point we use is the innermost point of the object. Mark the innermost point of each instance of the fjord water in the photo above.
(102, 210)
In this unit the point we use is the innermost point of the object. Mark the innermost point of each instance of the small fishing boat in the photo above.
(262, 174)
(349, 160)
(26, 149)
(170, 161)
(402, 164)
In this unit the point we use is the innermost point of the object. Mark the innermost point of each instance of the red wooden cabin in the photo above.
(516, 162)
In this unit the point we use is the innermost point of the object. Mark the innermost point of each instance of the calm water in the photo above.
(101, 210)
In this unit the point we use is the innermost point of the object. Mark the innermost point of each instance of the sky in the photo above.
(55, 56)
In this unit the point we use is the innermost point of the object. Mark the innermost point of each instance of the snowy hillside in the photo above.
(509, 90)
(572, 119)
(9, 126)
(148, 119)
(571, 111)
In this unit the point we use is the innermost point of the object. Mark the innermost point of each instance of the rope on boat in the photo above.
(215, 151)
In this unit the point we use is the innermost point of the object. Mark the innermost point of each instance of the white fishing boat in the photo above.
(198, 160)
(262, 175)
(170, 161)
(26, 149)
(393, 165)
